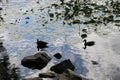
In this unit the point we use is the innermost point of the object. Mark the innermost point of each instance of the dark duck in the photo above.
(90, 43)
(41, 45)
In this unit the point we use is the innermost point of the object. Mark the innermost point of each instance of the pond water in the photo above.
(25, 21)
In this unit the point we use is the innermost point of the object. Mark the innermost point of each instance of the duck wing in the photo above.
(42, 42)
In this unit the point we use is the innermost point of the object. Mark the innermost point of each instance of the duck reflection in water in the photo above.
(90, 43)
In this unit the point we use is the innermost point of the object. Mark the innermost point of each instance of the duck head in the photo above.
(85, 40)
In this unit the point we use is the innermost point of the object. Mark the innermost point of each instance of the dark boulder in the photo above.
(58, 56)
(36, 78)
(47, 75)
(69, 75)
(61, 67)
(37, 61)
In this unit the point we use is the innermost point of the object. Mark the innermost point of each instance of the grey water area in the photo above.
(19, 35)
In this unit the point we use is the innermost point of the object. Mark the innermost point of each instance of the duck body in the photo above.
(90, 43)
(41, 44)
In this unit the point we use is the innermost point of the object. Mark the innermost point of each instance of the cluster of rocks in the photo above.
(62, 71)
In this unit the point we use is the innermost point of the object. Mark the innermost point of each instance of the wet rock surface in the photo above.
(36, 78)
(61, 67)
(47, 75)
(58, 56)
(37, 61)
(69, 75)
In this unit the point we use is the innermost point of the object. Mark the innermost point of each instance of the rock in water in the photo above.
(35, 78)
(58, 56)
(94, 62)
(69, 75)
(37, 61)
(47, 75)
(61, 67)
